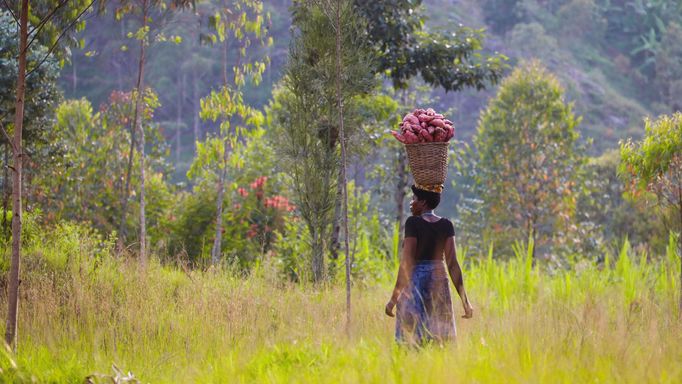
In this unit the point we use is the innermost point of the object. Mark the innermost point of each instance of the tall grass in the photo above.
(83, 310)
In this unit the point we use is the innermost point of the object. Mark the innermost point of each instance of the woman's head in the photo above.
(423, 200)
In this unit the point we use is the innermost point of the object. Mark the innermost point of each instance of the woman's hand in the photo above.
(468, 310)
(389, 308)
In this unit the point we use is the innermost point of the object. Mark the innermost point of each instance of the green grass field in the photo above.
(85, 311)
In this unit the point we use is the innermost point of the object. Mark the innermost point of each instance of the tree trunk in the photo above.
(13, 299)
(336, 225)
(217, 242)
(126, 192)
(400, 195)
(6, 193)
(138, 126)
(318, 254)
(178, 117)
(195, 97)
(339, 100)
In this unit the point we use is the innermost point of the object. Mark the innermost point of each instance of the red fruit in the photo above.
(425, 118)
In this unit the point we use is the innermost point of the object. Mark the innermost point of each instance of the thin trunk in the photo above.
(336, 226)
(195, 97)
(217, 242)
(13, 299)
(318, 254)
(400, 195)
(6, 193)
(339, 99)
(178, 118)
(74, 77)
(402, 185)
(122, 230)
(138, 125)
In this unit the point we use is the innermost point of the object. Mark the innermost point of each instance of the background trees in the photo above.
(528, 158)
(655, 164)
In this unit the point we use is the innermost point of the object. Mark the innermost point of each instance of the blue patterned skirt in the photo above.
(424, 311)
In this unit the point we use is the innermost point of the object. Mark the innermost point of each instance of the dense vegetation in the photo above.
(194, 176)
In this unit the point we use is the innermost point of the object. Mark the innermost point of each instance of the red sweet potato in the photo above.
(425, 134)
(438, 123)
(398, 136)
(411, 138)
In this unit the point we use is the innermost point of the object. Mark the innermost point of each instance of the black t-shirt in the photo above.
(430, 236)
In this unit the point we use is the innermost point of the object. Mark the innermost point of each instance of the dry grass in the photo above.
(617, 324)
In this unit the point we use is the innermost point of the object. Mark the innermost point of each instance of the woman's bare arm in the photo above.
(406, 265)
(456, 275)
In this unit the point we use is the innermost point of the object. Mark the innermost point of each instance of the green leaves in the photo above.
(527, 155)
(657, 156)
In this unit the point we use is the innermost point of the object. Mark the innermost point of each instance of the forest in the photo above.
(209, 190)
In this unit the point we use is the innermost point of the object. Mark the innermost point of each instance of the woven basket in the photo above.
(428, 162)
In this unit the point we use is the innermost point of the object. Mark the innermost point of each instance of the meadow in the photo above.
(83, 309)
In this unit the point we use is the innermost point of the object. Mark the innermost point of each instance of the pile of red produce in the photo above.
(424, 126)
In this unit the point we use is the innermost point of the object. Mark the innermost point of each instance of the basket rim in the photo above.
(428, 143)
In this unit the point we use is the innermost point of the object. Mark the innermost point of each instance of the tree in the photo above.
(394, 30)
(55, 19)
(41, 97)
(147, 11)
(668, 66)
(404, 50)
(234, 24)
(527, 156)
(308, 110)
(655, 164)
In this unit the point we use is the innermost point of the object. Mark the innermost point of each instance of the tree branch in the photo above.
(9, 139)
(11, 12)
(42, 23)
(49, 52)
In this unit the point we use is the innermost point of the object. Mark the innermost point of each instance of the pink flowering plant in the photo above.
(260, 212)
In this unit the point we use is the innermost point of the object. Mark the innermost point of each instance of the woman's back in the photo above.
(431, 236)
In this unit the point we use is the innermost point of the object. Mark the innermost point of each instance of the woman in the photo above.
(422, 292)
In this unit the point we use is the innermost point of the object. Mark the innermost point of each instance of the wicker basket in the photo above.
(428, 162)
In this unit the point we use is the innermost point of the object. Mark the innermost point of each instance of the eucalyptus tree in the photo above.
(53, 23)
(235, 26)
(151, 16)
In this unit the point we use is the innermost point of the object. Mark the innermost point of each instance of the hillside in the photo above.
(587, 44)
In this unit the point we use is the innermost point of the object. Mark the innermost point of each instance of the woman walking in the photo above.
(422, 293)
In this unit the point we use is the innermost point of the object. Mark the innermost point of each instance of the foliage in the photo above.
(655, 164)
(528, 157)
(306, 113)
(42, 94)
(86, 183)
(606, 213)
(669, 67)
(255, 205)
(451, 60)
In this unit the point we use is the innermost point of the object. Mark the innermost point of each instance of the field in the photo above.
(83, 311)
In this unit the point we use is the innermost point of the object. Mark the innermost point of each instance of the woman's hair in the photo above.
(432, 198)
